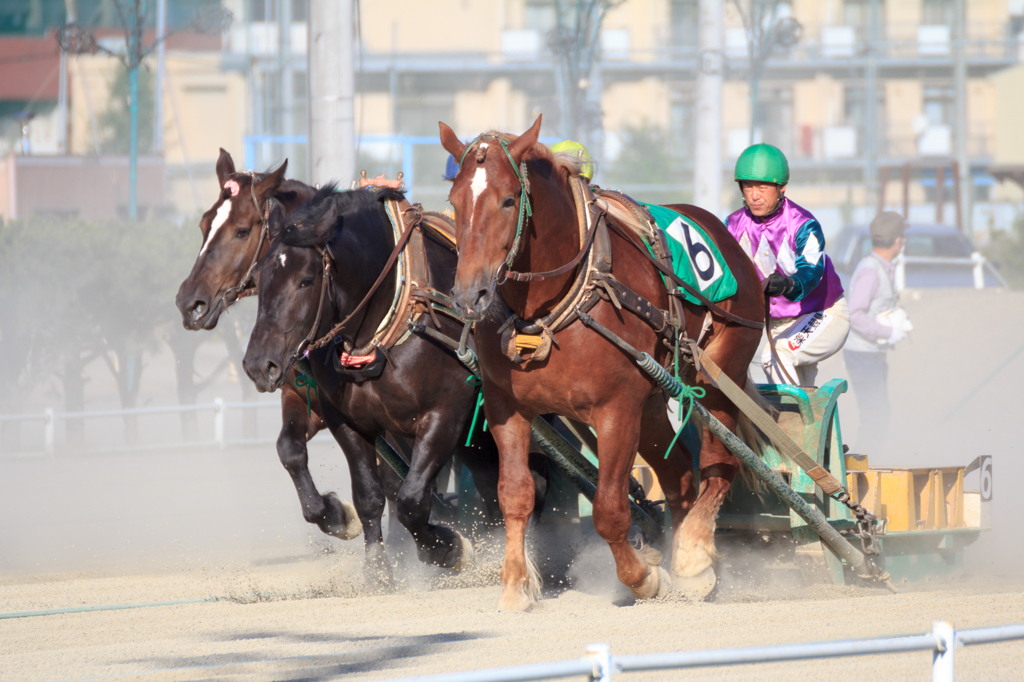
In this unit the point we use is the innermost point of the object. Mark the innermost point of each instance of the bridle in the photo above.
(325, 283)
(504, 272)
(245, 286)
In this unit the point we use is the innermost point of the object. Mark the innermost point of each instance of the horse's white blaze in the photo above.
(219, 219)
(283, 257)
(479, 183)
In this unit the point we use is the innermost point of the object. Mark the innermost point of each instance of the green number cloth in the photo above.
(695, 258)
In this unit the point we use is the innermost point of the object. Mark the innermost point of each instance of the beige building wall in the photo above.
(645, 102)
(434, 25)
(498, 107)
(1008, 131)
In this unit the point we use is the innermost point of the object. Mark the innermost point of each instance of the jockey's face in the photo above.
(761, 197)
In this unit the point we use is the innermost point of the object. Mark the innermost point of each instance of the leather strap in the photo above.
(786, 445)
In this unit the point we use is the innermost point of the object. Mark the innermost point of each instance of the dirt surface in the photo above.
(264, 596)
(310, 619)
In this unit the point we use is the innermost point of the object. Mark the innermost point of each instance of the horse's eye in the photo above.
(510, 202)
(242, 233)
(308, 282)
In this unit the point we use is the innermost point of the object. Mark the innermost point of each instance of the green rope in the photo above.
(689, 392)
(474, 380)
(305, 380)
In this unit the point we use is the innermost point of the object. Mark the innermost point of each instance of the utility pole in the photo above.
(331, 92)
(285, 102)
(70, 17)
(158, 94)
(871, 106)
(707, 167)
(960, 112)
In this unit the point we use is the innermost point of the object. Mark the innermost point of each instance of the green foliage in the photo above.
(115, 121)
(1006, 250)
(74, 289)
(646, 157)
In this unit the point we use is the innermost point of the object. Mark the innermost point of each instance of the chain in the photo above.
(867, 524)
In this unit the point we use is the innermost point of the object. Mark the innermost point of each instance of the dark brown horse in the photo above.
(421, 392)
(233, 239)
(585, 377)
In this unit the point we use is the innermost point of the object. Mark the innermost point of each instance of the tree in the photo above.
(115, 121)
(646, 159)
(1006, 250)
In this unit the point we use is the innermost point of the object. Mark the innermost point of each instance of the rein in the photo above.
(245, 285)
(525, 209)
(336, 329)
(324, 286)
(718, 310)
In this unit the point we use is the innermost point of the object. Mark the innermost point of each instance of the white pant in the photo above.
(802, 342)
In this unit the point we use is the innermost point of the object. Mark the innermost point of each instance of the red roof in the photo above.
(29, 68)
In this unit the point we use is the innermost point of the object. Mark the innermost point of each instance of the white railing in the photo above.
(599, 665)
(50, 418)
(975, 261)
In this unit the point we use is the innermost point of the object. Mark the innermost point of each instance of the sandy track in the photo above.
(306, 620)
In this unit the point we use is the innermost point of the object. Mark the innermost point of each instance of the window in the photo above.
(937, 13)
(938, 104)
(540, 15)
(684, 18)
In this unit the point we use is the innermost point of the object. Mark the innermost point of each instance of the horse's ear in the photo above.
(450, 141)
(272, 180)
(276, 218)
(225, 167)
(525, 141)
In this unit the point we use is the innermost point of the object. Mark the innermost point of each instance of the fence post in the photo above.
(942, 661)
(601, 656)
(218, 422)
(979, 270)
(49, 430)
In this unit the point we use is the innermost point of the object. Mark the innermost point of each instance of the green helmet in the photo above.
(764, 163)
(579, 151)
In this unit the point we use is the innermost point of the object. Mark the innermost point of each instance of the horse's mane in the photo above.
(566, 165)
(308, 227)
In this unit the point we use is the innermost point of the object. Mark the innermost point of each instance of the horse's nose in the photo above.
(197, 309)
(272, 371)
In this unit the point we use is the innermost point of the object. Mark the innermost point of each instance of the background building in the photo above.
(936, 71)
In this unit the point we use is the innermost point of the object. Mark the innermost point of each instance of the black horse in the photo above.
(422, 393)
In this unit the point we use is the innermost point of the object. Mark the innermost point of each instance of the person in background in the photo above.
(808, 316)
(574, 148)
(877, 325)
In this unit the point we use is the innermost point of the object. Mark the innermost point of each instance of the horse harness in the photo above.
(414, 296)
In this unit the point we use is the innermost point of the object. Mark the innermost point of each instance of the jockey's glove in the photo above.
(778, 285)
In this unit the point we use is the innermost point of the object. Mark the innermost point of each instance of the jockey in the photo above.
(574, 148)
(809, 319)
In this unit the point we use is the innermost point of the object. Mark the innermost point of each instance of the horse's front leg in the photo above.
(618, 432)
(333, 515)
(367, 494)
(520, 580)
(435, 544)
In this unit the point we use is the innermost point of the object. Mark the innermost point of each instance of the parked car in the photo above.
(922, 241)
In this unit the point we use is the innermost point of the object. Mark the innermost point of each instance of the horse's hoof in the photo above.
(467, 555)
(696, 587)
(658, 583)
(515, 600)
(346, 524)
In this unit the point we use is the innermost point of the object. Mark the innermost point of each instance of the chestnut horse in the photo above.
(585, 377)
(233, 239)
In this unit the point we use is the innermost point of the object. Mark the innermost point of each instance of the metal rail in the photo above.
(599, 665)
(219, 407)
